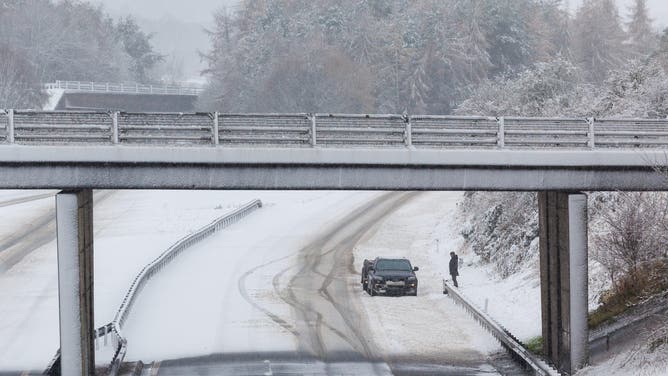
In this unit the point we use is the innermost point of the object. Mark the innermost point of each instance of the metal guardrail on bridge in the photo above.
(123, 88)
(531, 362)
(113, 329)
(328, 130)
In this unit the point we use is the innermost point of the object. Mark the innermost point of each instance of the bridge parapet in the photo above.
(329, 130)
(123, 88)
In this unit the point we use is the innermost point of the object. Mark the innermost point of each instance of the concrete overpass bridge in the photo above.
(128, 96)
(558, 158)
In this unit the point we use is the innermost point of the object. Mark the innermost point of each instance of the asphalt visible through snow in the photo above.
(41, 231)
(326, 319)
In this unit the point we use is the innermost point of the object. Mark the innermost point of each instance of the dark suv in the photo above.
(384, 276)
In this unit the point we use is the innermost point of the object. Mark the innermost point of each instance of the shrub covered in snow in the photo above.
(625, 229)
(501, 228)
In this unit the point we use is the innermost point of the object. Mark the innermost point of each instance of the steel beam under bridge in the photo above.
(123, 167)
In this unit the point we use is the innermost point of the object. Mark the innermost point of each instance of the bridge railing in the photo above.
(328, 130)
(123, 88)
(113, 330)
(531, 362)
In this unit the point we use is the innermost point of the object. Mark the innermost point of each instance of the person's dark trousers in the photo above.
(454, 280)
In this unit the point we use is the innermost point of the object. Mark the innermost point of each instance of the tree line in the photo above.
(424, 56)
(43, 40)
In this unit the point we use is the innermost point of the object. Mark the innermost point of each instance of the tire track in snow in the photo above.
(42, 232)
(277, 289)
(23, 199)
(334, 315)
(241, 286)
(309, 282)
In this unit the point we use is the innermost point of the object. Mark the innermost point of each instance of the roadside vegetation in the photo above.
(648, 282)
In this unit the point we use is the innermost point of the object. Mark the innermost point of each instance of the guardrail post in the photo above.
(215, 128)
(501, 133)
(313, 130)
(10, 126)
(590, 133)
(408, 133)
(114, 127)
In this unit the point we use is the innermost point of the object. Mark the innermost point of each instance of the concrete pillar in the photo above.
(74, 227)
(579, 279)
(563, 273)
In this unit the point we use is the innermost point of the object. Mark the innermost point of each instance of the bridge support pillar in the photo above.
(74, 227)
(563, 275)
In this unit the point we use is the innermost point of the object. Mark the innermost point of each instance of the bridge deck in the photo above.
(302, 151)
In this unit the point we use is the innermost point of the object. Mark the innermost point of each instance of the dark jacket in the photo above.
(454, 261)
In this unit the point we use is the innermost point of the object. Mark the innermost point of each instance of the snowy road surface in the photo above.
(131, 229)
(282, 288)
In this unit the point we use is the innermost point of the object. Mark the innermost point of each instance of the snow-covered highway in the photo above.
(280, 286)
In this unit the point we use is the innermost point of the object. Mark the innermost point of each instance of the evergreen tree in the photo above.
(599, 38)
(642, 37)
(137, 46)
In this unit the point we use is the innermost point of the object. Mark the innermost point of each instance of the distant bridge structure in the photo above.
(123, 88)
(125, 96)
(557, 157)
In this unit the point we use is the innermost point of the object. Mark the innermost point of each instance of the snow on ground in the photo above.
(634, 361)
(425, 231)
(16, 218)
(13, 194)
(215, 297)
(513, 302)
(429, 325)
(131, 229)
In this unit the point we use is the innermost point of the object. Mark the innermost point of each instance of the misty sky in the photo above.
(658, 10)
(196, 11)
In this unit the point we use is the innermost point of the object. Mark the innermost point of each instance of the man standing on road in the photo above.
(454, 263)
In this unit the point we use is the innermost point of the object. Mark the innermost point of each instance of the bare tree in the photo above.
(635, 232)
